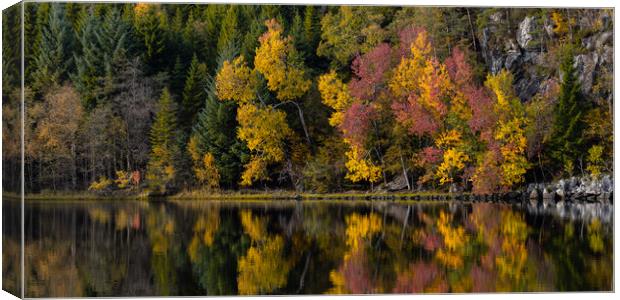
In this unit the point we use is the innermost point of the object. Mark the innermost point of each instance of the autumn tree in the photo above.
(506, 148)
(56, 132)
(164, 148)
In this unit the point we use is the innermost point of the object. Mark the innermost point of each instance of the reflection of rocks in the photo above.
(575, 211)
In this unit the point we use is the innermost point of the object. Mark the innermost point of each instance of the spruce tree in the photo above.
(215, 130)
(194, 93)
(54, 61)
(568, 124)
(161, 168)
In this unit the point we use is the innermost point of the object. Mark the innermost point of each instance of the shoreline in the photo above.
(510, 197)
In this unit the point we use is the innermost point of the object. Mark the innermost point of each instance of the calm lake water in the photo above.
(288, 247)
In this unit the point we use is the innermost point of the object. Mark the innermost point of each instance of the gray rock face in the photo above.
(585, 65)
(523, 52)
(525, 34)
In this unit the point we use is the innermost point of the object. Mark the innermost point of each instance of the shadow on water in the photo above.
(290, 247)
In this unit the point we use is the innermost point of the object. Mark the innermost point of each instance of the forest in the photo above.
(178, 97)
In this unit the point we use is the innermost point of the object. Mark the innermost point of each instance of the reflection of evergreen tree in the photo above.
(216, 266)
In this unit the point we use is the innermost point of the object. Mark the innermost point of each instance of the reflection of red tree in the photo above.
(421, 277)
(482, 280)
(432, 242)
(356, 273)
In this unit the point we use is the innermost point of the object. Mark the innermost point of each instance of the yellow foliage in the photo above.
(501, 86)
(453, 161)
(207, 172)
(595, 160)
(255, 227)
(359, 167)
(335, 94)
(561, 26)
(122, 179)
(595, 238)
(236, 81)
(100, 184)
(450, 138)
(511, 136)
(361, 227)
(454, 239)
(262, 270)
(337, 280)
(265, 131)
(408, 74)
(277, 60)
(514, 231)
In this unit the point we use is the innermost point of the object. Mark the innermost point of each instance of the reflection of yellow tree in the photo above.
(595, 238)
(99, 215)
(161, 228)
(352, 276)
(204, 231)
(513, 273)
(49, 272)
(361, 227)
(454, 240)
(263, 269)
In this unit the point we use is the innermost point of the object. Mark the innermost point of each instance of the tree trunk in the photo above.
(402, 163)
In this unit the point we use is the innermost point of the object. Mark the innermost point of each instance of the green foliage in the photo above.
(53, 61)
(194, 93)
(567, 137)
(161, 169)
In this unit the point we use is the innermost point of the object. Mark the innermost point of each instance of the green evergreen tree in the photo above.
(194, 92)
(54, 61)
(104, 46)
(215, 130)
(229, 31)
(567, 135)
(161, 168)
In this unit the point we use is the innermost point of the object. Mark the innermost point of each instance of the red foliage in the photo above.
(432, 242)
(458, 68)
(421, 276)
(431, 155)
(356, 123)
(356, 273)
(483, 116)
(416, 118)
(482, 280)
(369, 70)
(406, 36)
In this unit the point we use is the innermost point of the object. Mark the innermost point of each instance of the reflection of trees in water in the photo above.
(263, 268)
(11, 274)
(159, 249)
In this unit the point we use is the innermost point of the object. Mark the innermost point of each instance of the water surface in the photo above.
(131, 248)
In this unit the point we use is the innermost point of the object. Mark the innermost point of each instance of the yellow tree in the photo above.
(263, 128)
(280, 63)
(508, 144)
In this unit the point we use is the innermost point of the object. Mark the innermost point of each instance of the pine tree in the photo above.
(229, 31)
(164, 145)
(104, 46)
(53, 60)
(215, 130)
(567, 138)
(194, 93)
